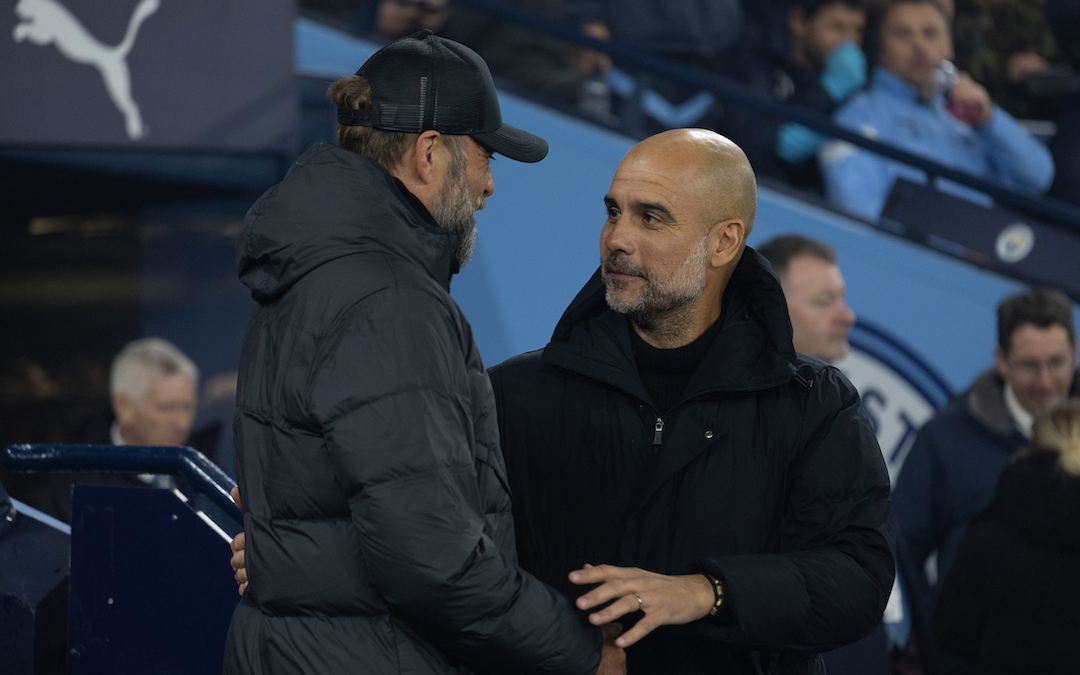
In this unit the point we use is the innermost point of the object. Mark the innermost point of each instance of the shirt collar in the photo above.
(885, 79)
(114, 434)
(1023, 420)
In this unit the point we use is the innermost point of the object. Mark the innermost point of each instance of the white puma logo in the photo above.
(47, 21)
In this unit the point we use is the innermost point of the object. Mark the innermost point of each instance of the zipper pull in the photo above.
(809, 384)
(658, 437)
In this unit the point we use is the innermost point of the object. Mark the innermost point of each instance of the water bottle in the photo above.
(945, 76)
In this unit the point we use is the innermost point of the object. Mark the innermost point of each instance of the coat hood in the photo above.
(753, 350)
(333, 203)
(1040, 502)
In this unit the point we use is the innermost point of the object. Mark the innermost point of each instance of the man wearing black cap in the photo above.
(378, 526)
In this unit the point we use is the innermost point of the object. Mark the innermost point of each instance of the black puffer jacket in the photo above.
(766, 474)
(379, 533)
(1011, 601)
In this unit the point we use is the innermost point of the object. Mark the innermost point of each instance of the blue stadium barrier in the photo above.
(150, 590)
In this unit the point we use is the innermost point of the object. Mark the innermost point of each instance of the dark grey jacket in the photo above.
(765, 474)
(379, 532)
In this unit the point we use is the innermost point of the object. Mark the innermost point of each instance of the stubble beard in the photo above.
(455, 209)
(665, 304)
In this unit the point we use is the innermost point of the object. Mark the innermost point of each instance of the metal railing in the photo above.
(201, 474)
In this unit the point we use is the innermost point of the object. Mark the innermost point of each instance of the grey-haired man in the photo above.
(379, 531)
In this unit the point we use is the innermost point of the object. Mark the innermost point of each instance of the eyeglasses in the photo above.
(1031, 368)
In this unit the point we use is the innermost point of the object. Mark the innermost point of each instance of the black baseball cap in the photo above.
(424, 81)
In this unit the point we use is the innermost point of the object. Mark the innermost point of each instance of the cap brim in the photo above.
(514, 143)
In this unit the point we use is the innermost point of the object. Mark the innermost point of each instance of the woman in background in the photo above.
(1011, 602)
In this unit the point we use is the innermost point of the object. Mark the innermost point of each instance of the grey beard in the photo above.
(455, 210)
(665, 304)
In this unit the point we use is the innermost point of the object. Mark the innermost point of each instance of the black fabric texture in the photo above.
(768, 476)
(378, 523)
(1011, 600)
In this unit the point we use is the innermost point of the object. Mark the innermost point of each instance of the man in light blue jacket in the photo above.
(918, 105)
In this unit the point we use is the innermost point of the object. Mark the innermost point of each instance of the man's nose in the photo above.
(614, 237)
(847, 314)
(489, 186)
(1044, 376)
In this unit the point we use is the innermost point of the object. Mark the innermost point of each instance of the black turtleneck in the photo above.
(666, 372)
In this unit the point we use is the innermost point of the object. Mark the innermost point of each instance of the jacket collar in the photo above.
(986, 402)
(334, 203)
(753, 350)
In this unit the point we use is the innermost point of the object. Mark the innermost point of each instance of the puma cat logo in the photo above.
(45, 22)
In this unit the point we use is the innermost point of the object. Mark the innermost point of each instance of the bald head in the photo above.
(679, 209)
(709, 167)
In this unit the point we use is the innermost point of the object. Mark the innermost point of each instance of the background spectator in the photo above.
(814, 289)
(1003, 44)
(1011, 602)
(529, 62)
(905, 105)
(697, 33)
(825, 67)
(954, 465)
(152, 387)
(152, 384)
(398, 18)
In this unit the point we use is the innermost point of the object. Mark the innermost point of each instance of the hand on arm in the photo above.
(237, 546)
(665, 600)
(612, 657)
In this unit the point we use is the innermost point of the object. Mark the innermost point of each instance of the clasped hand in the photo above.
(664, 600)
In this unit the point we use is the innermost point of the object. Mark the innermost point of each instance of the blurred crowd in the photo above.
(989, 87)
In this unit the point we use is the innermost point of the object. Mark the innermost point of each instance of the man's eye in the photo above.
(613, 214)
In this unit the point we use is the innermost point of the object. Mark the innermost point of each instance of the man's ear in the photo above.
(726, 242)
(123, 409)
(426, 158)
(999, 362)
(796, 21)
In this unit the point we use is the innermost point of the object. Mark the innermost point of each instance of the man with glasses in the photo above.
(953, 468)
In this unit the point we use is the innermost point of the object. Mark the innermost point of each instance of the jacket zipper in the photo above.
(658, 430)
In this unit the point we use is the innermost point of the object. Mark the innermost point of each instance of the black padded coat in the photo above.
(379, 532)
(765, 474)
(1011, 601)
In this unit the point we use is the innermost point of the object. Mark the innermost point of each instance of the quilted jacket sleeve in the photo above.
(400, 405)
(830, 581)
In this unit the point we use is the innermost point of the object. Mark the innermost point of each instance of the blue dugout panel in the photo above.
(150, 589)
